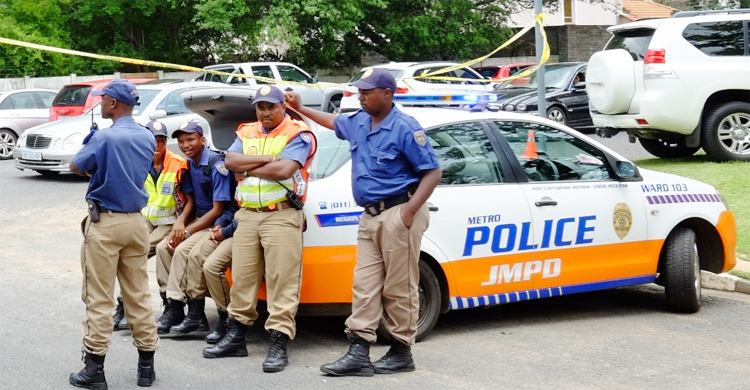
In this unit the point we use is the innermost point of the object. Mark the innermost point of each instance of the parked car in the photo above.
(404, 73)
(677, 84)
(49, 148)
(567, 101)
(326, 98)
(20, 110)
(75, 99)
(502, 71)
(524, 210)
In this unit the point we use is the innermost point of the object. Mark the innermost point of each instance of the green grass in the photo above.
(732, 179)
(740, 274)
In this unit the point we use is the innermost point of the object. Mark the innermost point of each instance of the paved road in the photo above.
(617, 339)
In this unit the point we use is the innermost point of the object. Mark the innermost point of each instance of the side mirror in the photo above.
(158, 114)
(627, 171)
(314, 80)
(580, 86)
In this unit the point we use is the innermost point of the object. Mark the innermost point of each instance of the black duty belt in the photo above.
(376, 208)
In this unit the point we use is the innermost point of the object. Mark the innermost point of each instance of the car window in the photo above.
(549, 154)
(218, 78)
(465, 73)
(20, 101)
(717, 38)
(421, 72)
(263, 71)
(465, 154)
(72, 96)
(331, 155)
(46, 98)
(554, 77)
(488, 72)
(634, 42)
(290, 73)
(173, 105)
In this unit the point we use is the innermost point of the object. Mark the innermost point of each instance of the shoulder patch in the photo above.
(222, 168)
(420, 137)
(305, 137)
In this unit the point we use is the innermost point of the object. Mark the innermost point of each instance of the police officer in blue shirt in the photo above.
(394, 171)
(210, 181)
(115, 239)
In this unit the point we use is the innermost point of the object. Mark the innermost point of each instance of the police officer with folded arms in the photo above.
(394, 171)
(115, 238)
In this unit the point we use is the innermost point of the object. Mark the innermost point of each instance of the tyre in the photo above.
(7, 143)
(429, 304)
(557, 114)
(726, 132)
(667, 149)
(681, 271)
(47, 173)
(334, 104)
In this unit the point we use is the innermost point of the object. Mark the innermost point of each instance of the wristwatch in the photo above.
(187, 234)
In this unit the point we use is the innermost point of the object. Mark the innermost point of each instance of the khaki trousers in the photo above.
(170, 268)
(207, 262)
(269, 242)
(156, 235)
(116, 246)
(386, 277)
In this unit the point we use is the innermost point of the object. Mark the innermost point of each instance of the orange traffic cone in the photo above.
(530, 151)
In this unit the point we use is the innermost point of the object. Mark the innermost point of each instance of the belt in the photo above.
(374, 209)
(284, 204)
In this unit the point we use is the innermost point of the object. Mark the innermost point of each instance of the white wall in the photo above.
(598, 13)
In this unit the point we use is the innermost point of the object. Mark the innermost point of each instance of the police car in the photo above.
(527, 208)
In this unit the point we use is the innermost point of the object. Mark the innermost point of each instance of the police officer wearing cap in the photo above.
(274, 154)
(394, 171)
(210, 183)
(115, 238)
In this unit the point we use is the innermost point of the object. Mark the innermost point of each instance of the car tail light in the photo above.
(642, 122)
(348, 94)
(655, 56)
(402, 90)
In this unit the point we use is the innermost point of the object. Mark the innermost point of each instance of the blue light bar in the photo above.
(445, 99)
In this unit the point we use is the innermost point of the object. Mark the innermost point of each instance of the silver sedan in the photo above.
(20, 110)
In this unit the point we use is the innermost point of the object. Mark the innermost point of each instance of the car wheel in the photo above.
(726, 132)
(334, 105)
(47, 173)
(429, 305)
(681, 271)
(7, 143)
(557, 114)
(667, 149)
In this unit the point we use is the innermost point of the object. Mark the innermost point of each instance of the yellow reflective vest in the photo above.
(256, 192)
(165, 200)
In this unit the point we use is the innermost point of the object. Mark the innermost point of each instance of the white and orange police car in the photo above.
(526, 209)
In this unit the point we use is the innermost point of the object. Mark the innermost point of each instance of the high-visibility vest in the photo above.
(165, 200)
(256, 192)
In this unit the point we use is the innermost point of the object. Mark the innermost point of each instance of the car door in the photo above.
(479, 218)
(312, 96)
(589, 227)
(24, 109)
(576, 101)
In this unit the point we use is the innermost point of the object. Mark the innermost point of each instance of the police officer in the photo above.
(394, 171)
(274, 154)
(115, 237)
(210, 182)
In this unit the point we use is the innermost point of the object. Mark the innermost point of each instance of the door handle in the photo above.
(545, 202)
(432, 207)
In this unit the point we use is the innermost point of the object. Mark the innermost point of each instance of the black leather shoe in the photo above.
(232, 345)
(195, 320)
(92, 375)
(119, 314)
(276, 359)
(356, 362)
(174, 314)
(397, 359)
(220, 330)
(146, 373)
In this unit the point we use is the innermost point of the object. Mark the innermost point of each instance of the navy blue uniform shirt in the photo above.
(207, 189)
(119, 159)
(385, 160)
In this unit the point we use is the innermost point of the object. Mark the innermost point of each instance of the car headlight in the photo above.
(521, 107)
(73, 140)
(509, 107)
(21, 140)
(57, 144)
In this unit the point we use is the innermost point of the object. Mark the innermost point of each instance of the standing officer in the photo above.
(115, 238)
(274, 154)
(394, 171)
(210, 181)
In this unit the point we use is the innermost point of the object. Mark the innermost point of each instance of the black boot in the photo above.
(220, 330)
(232, 345)
(119, 314)
(356, 362)
(276, 359)
(92, 375)
(397, 359)
(173, 315)
(146, 373)
(195, 319)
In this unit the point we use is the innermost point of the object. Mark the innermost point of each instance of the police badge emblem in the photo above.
(420, 138)
(367, 73)
(252, 151)
(622, 219)
(265, 90)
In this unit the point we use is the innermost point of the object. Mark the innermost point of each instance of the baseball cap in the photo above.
(188, 127)
(120, 90)
(157, 128)
(269, 93)
(376, 78)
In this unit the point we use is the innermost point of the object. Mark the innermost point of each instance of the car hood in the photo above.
(525, 96)
(66, 127)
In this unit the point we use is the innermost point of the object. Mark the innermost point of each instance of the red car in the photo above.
(502, 71)
(75, 99)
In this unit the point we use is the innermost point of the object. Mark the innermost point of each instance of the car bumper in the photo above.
(58, 161)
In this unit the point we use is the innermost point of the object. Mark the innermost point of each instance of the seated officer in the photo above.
(170, 201)
(210, 180)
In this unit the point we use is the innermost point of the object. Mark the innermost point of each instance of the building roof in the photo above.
(645, 9)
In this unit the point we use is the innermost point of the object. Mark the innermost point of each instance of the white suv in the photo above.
(677, 84)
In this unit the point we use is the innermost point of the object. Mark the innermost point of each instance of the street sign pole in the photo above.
(541, 89)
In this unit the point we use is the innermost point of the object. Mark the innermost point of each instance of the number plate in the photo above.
(36, 156)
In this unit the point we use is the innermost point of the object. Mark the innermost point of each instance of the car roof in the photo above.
(406, 65)
(246, 63)
(175, 85)
(98, 84)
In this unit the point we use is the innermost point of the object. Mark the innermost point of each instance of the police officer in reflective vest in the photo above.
(394, 171)
(274, 154)
(115, 238)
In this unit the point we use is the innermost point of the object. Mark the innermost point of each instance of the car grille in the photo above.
(34, 141)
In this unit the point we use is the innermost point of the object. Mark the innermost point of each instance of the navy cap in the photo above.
(157, 128)
(120, 90)
(188, 127)
(376, 78)
(269, 93)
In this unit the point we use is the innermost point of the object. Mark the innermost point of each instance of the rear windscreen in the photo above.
(487, 72)
(634, 42)
(72, 96)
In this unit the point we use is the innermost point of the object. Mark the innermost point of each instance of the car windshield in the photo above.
(332, 154)
(74, 95)
(397, 73)
(145, 97)
(487, 72)
(554, 77)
